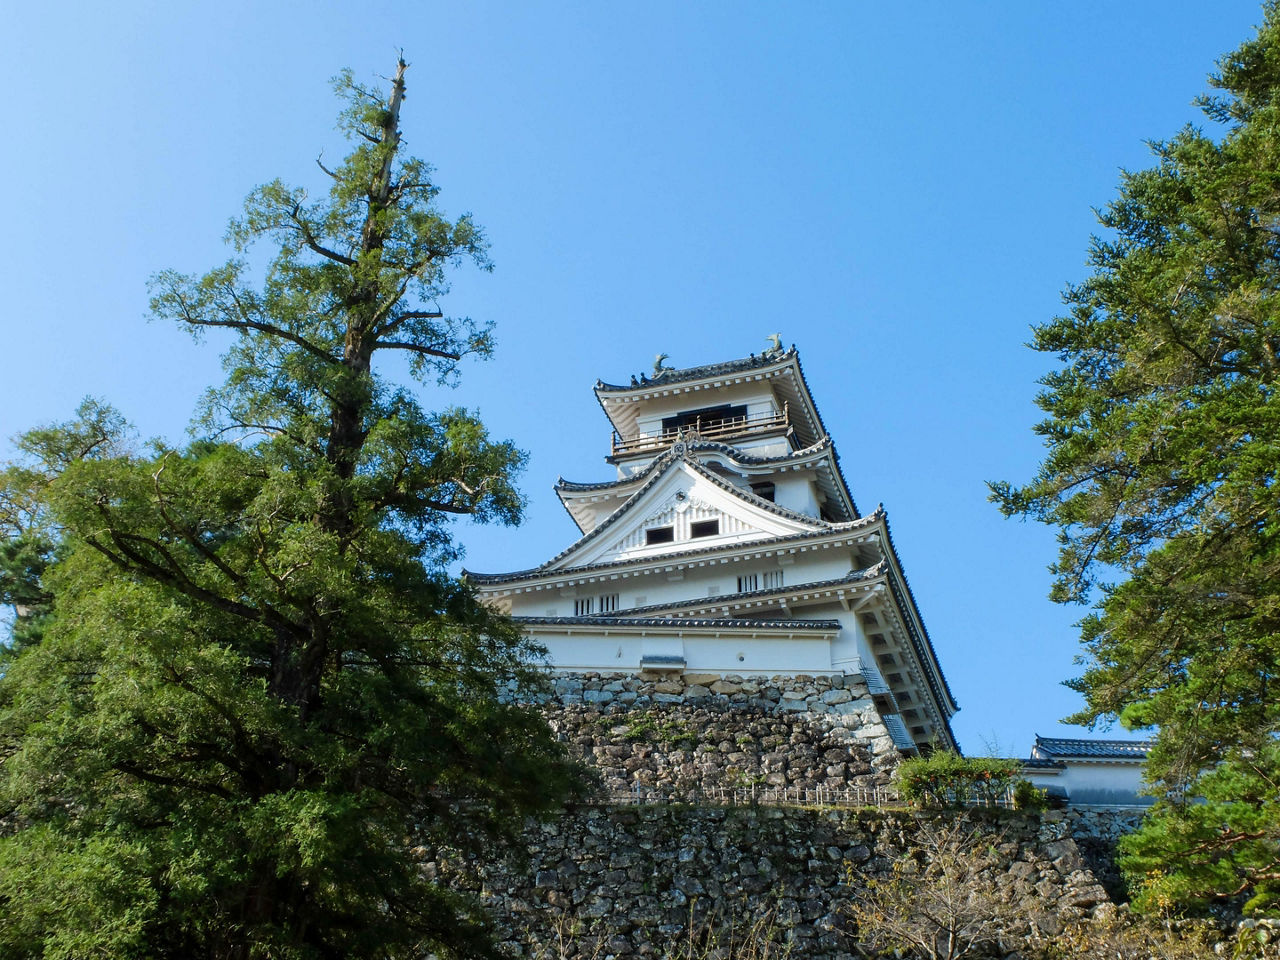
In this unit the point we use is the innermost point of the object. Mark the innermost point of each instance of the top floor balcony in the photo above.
(707, 425)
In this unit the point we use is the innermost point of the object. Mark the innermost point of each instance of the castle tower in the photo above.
(728, 545)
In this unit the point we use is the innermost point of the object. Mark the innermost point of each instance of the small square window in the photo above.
(704, 528)
(659, 535)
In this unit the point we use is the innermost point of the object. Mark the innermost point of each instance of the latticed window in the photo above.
(584, 606)
(748, 582)
(772, 579)
(608, 602)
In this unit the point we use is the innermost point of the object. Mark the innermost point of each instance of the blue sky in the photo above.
(901, 190)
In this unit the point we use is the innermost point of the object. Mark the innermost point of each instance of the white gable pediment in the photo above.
(680, 498)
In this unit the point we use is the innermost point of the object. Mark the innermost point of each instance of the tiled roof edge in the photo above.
(727, 449)
(1094, 749)
(829, 530)
(682, 622)
(685, 374)
(674, 455)
(856, 576)
(924, 644)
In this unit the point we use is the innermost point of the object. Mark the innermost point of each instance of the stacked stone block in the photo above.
(692, 736)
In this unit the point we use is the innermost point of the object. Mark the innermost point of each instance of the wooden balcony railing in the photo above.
(716, 429)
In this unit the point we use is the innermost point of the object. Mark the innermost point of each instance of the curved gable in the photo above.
(680, 496)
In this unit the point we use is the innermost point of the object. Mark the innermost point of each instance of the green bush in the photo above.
(944, 779)
(1027, 796)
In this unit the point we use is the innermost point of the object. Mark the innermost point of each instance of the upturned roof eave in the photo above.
(1105, 751)
(706, 371)
(833, 532)
(815, 451)
(925, 650)
(825, 462)
(684, 380)
(685, 624)
(672, 458)
(869, 577)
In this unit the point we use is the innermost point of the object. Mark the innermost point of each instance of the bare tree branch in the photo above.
(416, 348)
(246, 322)
(304, 231)
(321, 165)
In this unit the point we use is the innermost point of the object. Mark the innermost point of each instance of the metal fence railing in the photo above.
(758, 795)
(755, 795)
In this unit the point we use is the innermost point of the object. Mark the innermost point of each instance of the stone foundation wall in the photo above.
(693, 736)
(1097, 833)
(640, 881)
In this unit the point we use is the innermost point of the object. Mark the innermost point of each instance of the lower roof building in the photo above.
(1090, 772)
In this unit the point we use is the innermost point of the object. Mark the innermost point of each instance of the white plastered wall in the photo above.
(1095, 782)
(797, 491)
(584, 651)
(664, 587)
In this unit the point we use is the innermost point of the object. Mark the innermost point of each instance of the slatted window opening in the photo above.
(769, 580)
(584, 606)
(608, 602)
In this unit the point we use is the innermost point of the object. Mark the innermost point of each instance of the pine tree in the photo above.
(255, 697)
(1163, 436)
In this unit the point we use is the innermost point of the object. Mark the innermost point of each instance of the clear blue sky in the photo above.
(900, 189)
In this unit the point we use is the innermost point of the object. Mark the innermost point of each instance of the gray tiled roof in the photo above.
(765, 543)
(923, 643)
(698, 445)
(697, 373)
(681, 622)
(854, 576)
(898, 731)
(1059, 747)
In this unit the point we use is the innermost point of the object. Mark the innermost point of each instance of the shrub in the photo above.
(944, 779)
(944, 900)
(1133, 938)
(1027, 796)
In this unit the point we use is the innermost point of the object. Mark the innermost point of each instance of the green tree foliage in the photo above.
(28, 533)
(1163, 436)
(944, 779)
(244, 695)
